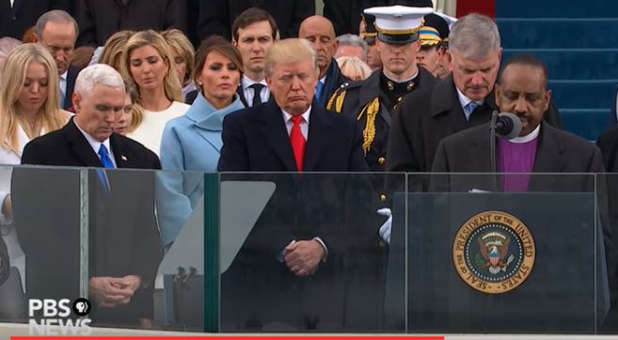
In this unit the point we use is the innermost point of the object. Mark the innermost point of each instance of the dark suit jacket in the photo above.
(346, 14)
(124, 239)
(16, 20)
(217, 16)
(424, 119)
(557, 152)
(71, 76)
(334, 79)
(5, 266)
(333, 206)
(256, 139)
(99, 19)
(608, 143)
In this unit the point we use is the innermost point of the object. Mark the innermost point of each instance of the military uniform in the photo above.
(373, 102)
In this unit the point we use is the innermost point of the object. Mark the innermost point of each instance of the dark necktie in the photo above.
(257, 90)
(298, 142)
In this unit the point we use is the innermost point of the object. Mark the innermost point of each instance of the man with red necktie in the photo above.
(300, 236)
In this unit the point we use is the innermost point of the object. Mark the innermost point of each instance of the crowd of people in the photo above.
(120, 84)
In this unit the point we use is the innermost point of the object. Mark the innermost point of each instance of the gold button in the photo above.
(381, 160)
(382, 197)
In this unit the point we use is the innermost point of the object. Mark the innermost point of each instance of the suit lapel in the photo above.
(273, 128)
(481, 148)
(241, 93)
(80, 146)
(549, 154)
(120, 155)
(71, 75)
(316, 139)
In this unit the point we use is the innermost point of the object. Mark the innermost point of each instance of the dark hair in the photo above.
(251, 16)
(219, 44)
(525, 59)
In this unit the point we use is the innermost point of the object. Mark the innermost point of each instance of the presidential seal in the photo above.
(493, 252)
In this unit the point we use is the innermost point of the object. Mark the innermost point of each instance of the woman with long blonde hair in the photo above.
(29, 108)
(147, 64)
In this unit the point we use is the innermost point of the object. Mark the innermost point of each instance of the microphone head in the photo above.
(508, 125)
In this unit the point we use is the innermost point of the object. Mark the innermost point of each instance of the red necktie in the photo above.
(298, 142)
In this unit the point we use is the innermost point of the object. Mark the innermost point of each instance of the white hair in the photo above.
(55, 16)
(97, 74)
(474, 36)
(353, 40)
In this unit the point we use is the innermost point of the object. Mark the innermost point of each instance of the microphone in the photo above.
(508, 125)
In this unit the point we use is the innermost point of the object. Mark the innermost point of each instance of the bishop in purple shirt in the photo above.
(540, 148)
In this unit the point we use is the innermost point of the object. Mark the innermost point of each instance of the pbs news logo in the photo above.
(55, 316)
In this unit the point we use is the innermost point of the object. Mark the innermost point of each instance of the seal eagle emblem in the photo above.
(494, 252)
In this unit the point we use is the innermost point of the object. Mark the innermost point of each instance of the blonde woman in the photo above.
(147, 65)
(112, 51)
(183, 55)
(29, 107)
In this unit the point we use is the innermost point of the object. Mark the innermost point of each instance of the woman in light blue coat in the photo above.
(191, 143)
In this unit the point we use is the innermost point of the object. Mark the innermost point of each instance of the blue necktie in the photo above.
(469, 108)
(318, 90)
(104, 155)
(108, 164)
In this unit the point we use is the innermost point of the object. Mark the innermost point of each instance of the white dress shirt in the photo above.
(62, 87)
(304, 125)
(96, 145)
(464, 101)
(248, 91)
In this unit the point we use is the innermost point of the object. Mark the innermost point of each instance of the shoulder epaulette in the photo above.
(335, 103)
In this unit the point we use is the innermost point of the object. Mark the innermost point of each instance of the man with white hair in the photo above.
(57, 30)
(462, 100)
(350, 45)
(124, 246)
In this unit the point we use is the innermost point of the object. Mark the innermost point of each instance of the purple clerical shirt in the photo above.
(516, 157)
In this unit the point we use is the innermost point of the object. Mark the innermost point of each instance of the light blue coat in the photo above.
(191, 144)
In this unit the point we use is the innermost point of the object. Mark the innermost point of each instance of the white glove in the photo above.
(385, 229)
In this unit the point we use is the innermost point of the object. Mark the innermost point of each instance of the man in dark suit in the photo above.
(254, 32)
(57, 31)
(522, 90)
(321, 34)
(291, 270)
(217, 16)
(539, 148)
(124, 241)
(462, 100)
(100, 19)
(17, 16)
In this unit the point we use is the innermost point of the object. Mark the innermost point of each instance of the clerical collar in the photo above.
(527, 138)
(403, 80)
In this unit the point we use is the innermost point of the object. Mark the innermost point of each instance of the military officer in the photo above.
(373, 101)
